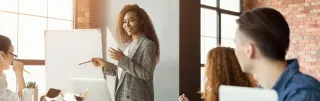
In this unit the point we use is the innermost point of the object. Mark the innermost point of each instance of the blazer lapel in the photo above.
(130, 55)
(133, 51)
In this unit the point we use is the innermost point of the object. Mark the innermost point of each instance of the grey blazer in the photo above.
(136, 80)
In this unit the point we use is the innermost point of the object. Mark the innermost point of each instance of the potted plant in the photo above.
(30, 92)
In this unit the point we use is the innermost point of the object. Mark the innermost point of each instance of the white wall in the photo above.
(165, 17)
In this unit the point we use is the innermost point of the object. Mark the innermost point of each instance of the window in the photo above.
(218, 26)
(24, 22)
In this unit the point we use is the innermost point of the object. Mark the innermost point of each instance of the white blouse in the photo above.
(5, 94)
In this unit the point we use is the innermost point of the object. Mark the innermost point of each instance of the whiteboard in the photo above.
(64, 50)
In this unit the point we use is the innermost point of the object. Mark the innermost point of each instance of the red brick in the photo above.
(315, 63)
(310, 22)
(293, 5)
(299, 15)
(316, 33)
(310, 59)
(304, 4)
(299, 45)
(314, 41)
(308, 38)
(309, 30)
(314, 25)
(84, 9)
(305, 48)
(310, 15)
(298, 1)
(309, 0)
(294, 34)
(311, 45)
(287, 1)
(282, 6)
(284, 13)
(296, 12)
(298, 38)
(301, 52)
(316, 18)
(301, 26)
(315, 11)
(84, 20)
(315, 56)
(305, 33)
(276, 3)
(315, 48)
(299, 8)
(311, 52)
(293, 27)
(305, 11)
(304, 63)
(87, 14)
(294, 41)
(315, 3)
(288, 9)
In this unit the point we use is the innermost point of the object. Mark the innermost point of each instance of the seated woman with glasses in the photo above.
(7, 58)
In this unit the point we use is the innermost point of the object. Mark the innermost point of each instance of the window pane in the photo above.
(203, 55)
(9, 5)
(208, 22)
(62, 9)
(211, 3)
(54, 24)
(31, 37)
(209, 43)
(37, 74)
(8, 27)
(228, 26)
(203, 78)
(228, 43)
(34, 7)
(232, 5)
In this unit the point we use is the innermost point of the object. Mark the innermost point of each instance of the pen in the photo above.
(85, 93)
(61, 94)
(84, 62)
(26, 71)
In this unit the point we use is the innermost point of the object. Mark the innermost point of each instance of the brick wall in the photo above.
(303, 17)
(83, 14)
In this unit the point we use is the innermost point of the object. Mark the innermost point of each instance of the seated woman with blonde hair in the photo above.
(222, 68)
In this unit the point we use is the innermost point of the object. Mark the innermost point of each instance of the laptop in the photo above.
(235, 93)
(97, 88)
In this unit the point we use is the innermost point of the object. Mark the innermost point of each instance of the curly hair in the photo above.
(147, 27)
(222, 68)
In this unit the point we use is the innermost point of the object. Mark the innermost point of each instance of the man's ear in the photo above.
(250, 50)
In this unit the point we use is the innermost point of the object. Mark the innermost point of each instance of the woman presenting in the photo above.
(136, 64)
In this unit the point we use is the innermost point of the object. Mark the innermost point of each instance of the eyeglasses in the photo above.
(14, 57)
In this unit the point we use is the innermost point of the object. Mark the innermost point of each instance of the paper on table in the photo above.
(69, 97)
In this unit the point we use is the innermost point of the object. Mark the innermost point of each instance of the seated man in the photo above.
(262, 40)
